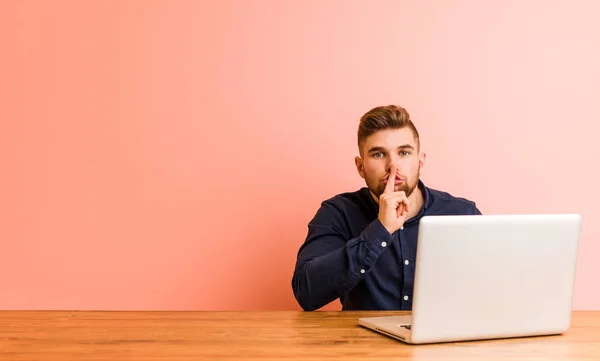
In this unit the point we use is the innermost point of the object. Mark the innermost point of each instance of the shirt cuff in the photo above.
(377, 236)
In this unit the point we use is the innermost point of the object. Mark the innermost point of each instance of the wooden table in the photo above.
(278, 335)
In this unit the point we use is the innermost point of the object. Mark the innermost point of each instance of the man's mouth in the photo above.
(398, 180)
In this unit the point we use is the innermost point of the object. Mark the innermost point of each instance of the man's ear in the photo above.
(359, 166)
(422, 157)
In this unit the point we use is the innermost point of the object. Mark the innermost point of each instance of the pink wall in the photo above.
(169, 154)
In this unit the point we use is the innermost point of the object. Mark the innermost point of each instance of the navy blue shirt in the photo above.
(348, 254)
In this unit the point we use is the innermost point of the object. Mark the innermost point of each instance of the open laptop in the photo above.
(489, 276)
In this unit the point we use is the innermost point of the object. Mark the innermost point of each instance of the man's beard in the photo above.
(406, 187)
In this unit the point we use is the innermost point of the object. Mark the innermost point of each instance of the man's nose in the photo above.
(392, 161)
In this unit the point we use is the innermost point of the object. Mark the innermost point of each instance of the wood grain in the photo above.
(204, 335)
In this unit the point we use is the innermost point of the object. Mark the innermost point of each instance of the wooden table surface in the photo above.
(277, 335)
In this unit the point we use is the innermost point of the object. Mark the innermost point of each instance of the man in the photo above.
(361, 246)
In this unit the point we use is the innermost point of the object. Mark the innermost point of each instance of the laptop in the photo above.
(487, 277)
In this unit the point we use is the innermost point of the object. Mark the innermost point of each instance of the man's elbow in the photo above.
(301, 288)
(306, 304)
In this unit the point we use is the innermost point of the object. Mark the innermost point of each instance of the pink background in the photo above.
(169, 154)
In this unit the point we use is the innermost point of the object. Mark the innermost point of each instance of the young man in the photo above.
(361, 246)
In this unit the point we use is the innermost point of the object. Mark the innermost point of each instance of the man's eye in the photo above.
(404, 153)
(378, 155)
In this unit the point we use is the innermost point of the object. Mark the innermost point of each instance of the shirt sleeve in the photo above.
(329, 263)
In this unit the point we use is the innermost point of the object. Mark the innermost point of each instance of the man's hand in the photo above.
(393, 206)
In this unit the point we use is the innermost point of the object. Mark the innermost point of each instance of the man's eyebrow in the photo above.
(376, 149)
(381, 149)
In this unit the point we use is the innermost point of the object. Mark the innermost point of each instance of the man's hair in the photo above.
(384, 117)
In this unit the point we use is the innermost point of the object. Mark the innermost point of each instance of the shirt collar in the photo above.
(426, 194)
(426, 201)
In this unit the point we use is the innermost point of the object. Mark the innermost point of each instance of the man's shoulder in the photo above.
(355, 198)
(343, 206)
(446, 198)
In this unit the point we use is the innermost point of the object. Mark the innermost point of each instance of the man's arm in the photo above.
(329, 264)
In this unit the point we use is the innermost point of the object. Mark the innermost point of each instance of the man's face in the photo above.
(387, 147)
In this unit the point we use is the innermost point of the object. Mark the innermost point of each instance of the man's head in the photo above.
(387, 136)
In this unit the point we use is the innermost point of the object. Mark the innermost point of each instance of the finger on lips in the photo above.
(389, 187)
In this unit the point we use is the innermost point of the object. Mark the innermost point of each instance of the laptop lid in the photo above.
(493, 276)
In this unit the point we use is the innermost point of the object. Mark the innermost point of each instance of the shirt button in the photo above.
(401, 228)
(362, 271)
(406, 262)
(405, 298)
(383, 244)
